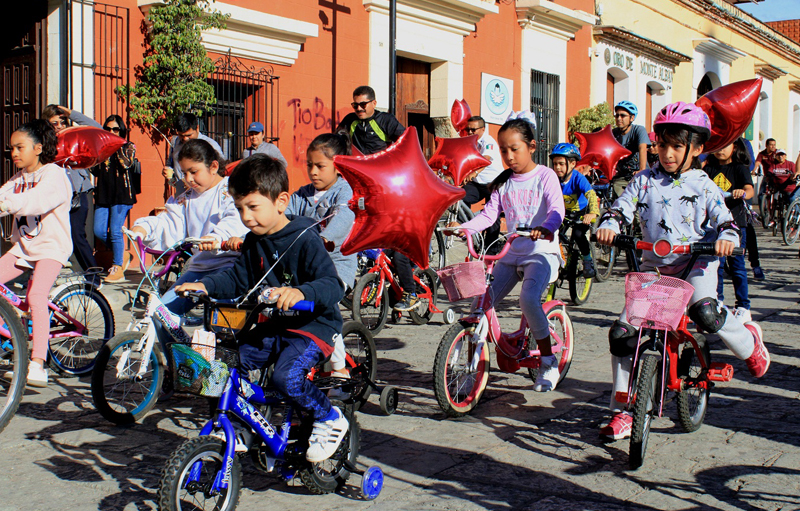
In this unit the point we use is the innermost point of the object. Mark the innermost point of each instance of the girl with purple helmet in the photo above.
(676, 201)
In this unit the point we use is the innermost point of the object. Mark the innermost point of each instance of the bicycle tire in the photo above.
(365, 311)
(644, 407)
(76, 355)
(764, 207)
(457, 404)
(13, 358)
(329, 475)
(561, 324)
(429, 279)
(580, 287)
(465, 214)
(360, 350)
(209, 452)
(437, 256)
(106, 381)
(605, 256)
(790, 228)
(693, 401)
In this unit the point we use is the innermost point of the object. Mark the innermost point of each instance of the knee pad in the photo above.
(622, 339)
(708, 315)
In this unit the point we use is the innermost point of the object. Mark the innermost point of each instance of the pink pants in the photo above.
(41, 281)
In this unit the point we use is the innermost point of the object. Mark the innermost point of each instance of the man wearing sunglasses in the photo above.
(632, 137)
(476, 184)
(370, 131)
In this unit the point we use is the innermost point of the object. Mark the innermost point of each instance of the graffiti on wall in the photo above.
(308, 121)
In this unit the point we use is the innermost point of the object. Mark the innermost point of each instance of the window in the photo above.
(544, 105)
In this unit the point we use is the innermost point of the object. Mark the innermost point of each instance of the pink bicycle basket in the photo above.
(463, 280)
(653, 301)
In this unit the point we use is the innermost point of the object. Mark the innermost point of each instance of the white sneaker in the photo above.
(326, 437)
(743, 315)
(37, 375)
(548, 374)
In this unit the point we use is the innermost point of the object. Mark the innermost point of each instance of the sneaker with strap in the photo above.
(327, 435)
(115, 274)
(548, 376)
(618, 427)
(743, 315)
(588, 268)
(407, 303)
(758, 362)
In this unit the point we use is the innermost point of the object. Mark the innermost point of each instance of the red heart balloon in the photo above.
(397, 199)
(601, 151)
(730, 109)
(460, 114)
(84, 146)
(457, 157)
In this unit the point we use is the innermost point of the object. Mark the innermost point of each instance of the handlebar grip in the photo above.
(737, 251)
(303, 305)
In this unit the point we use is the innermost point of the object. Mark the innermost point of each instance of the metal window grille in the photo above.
(111, 66)
(544, 105)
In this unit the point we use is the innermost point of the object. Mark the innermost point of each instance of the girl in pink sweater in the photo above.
(530, 196)
(39, 198)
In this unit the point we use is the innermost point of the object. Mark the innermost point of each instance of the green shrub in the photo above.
(589, 119)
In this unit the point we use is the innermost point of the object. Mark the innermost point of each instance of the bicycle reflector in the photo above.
(662, 248)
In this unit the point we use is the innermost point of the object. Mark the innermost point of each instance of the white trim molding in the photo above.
(557, 20)
(456, 16)
(719, 50)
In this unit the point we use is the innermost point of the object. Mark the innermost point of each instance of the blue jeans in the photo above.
(177, 304)
(108, 224)
(738, 276)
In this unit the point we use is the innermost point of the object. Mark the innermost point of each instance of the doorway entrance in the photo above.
(413, 101)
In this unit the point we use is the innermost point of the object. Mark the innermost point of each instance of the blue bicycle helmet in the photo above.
(566, 150)
(628, 106)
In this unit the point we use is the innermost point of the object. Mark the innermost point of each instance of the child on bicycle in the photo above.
(39, 198)
(328, 194)
(579, 199)
(205, 210)
(529, 195)
(290, 257)
(729, 169)
(677, 201)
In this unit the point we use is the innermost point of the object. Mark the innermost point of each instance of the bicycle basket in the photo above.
(653, 301)
(463, 280)
(200, 369)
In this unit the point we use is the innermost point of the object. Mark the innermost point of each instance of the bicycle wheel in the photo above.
(790, 228)
(13, 361)
(693, 401)
(84, 303)
(118, 392)
(365, 309)
(465, 214)
(330, 474)
(605, 257)
(764, 208)
(360, 355)
(202, 459)
(423, 313)
(560, 325)
(437, 256)
(644, 407)
(579, 286)
(458, 379)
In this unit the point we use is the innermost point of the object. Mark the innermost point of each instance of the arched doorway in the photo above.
(709, 82)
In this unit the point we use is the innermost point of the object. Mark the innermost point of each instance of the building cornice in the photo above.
(651, 49)
(794, 85)
(769, 71)
(457, 16)
(718, 50)
(552, 18)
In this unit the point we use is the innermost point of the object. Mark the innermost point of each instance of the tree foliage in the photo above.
(173, 77)
(590, 119)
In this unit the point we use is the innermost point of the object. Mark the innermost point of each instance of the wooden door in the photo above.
(413, 100)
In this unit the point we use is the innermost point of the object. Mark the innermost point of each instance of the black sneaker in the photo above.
(409, 302)
(588, 269)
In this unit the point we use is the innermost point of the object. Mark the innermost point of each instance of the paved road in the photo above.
(519, 450)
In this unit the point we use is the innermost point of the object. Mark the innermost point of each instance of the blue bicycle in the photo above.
(206, 473)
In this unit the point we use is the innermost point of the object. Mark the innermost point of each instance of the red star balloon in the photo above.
(730, 109)
(457, 157)
(230, 166)
(397, 199)
(460, 114)
(601, 151)
(354, 150)
(84, 146)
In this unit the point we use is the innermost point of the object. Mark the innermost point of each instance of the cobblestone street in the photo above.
(519, 450)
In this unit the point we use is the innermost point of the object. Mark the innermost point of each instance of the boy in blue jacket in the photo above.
(298, 267)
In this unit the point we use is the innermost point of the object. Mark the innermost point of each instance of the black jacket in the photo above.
(364, 136)
(117, 179)
(305, 265)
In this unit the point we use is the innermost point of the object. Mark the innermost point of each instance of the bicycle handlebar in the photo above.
(663, 248)
(520, 232)
(201, 296)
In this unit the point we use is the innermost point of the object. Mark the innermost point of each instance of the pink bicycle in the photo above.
(461, 366)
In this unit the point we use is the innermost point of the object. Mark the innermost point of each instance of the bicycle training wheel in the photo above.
(644, 407)
(119, 392)
(13, 361)
(580, 287)
(693, 401)
(76, 354)
(791, 223)
(366, 309)
(560, 327)
(459, 378)
(328, 475)
(361, 355)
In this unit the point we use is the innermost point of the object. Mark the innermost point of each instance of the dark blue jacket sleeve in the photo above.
(319, 281)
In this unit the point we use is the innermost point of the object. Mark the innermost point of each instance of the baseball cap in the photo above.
(255, 126)
(780, 151)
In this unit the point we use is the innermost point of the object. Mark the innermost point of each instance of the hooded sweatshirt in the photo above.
(302, 263)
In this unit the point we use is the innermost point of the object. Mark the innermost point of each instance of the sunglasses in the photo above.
(362, 105)
(115, 129)
(472, 130)
(621, 115)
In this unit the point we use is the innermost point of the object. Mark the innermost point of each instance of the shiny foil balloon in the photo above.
(397, 199)
(601, 151)
(82, 147)
(730, 109)
(354, 150)
(230, 166)
(457, 157)
(460, 114)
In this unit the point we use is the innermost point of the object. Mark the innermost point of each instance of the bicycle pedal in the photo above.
(719, 371)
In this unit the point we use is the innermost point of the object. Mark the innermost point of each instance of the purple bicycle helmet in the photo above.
(684, 115)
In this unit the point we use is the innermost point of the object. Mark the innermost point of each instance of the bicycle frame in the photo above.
(383, 267)
(61, 317)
